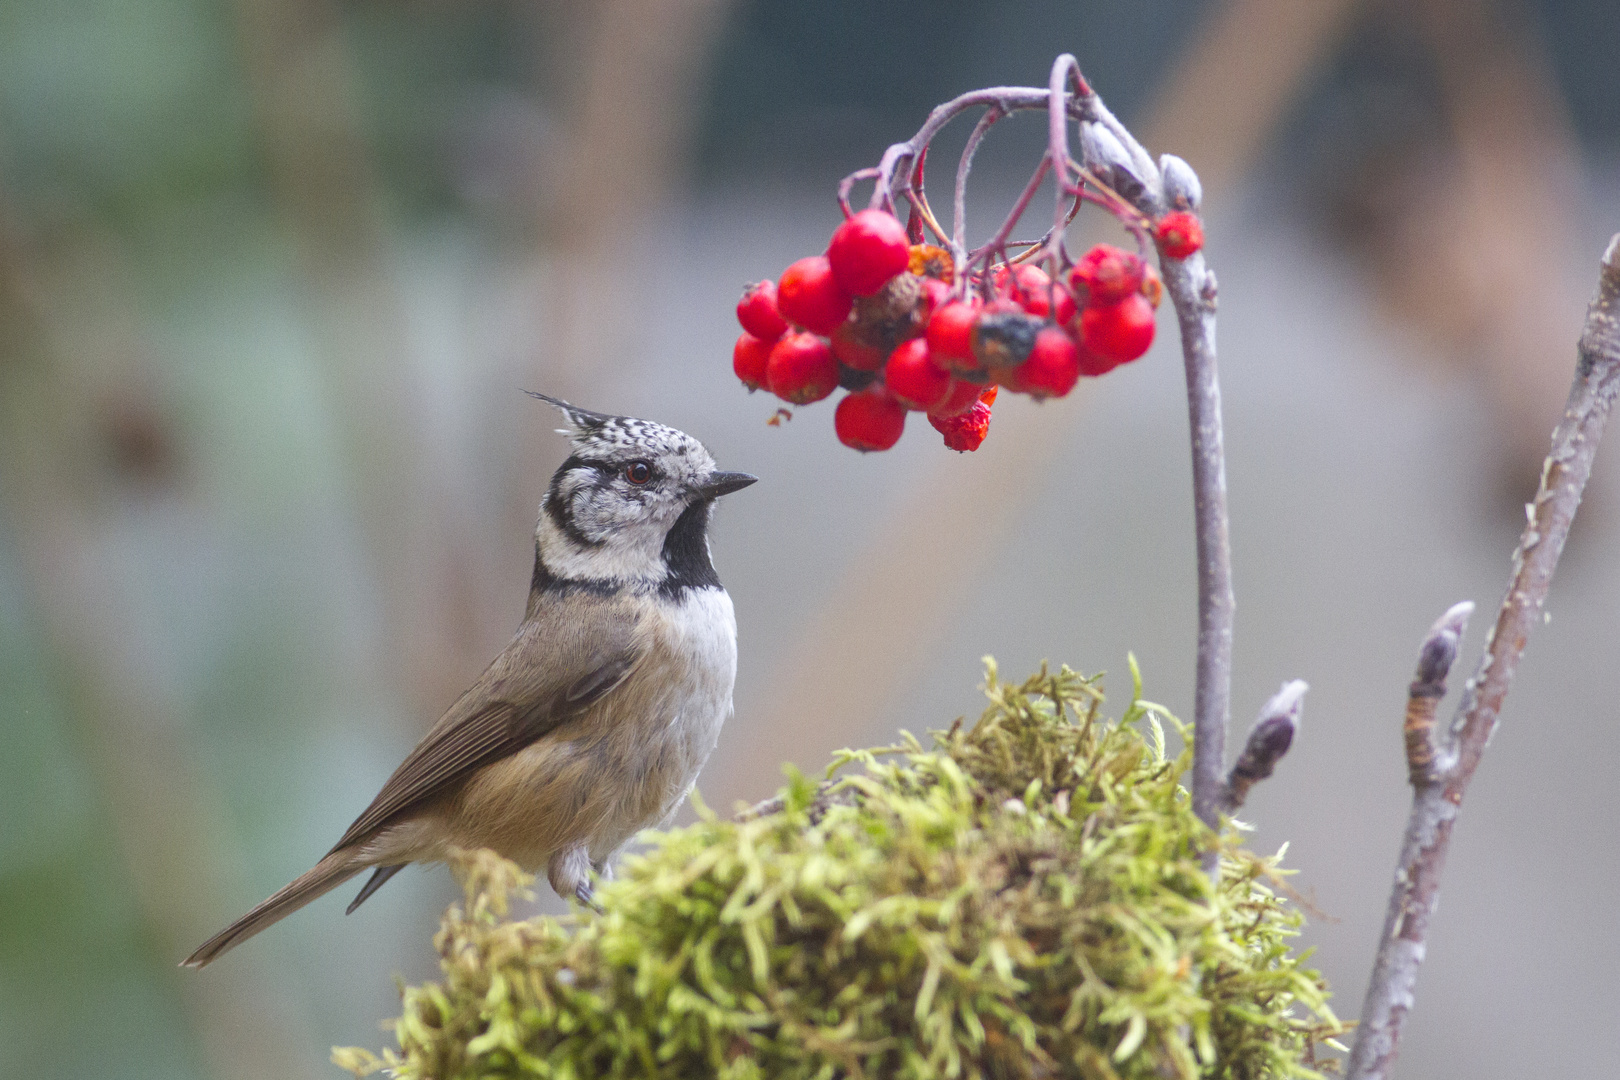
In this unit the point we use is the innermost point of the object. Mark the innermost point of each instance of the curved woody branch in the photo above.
(1442, 767)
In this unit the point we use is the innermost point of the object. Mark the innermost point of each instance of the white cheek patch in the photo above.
(630, 554)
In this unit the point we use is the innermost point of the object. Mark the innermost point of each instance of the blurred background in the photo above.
(273, 271)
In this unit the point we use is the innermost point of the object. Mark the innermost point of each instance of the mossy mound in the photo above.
(1022, 900)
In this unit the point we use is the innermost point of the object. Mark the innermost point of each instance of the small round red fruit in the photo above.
(950, 334)
(869, 420)
(1093, 364)
(963, 394)
(867, 250)
(935, 295)
(913, 378)
(1066, 309)
(1026, 285)
(1121, 331)
(1106, 275)
(1053, 366)
(757, 311)
(748, 359)
(801, 368)
(853, 352)
(1180, 233)
(808, 296)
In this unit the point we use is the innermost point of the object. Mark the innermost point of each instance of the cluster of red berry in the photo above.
(891, 322)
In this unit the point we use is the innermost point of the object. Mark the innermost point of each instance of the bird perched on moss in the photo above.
(593, 723)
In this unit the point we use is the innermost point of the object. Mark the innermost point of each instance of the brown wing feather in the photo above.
(550, 673)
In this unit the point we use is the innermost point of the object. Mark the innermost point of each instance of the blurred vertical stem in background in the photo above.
(324, 188)
(637, 65)
(84, 446)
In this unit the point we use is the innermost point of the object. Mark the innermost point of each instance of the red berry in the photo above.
(869, 420)
(914, 379)
(1094, 363)
(757, 311)
(1053, 366)
(1180, 233)
(808, 296)
(965, 431)
(801, 368)
(1106, 275)
(962, 395)
(1121, 331)
(1066, 309)
(851, 350)
(867, 250)
(935, 295)
(748, 359)
(1010, 379)
(1028, 286)
(950, 334)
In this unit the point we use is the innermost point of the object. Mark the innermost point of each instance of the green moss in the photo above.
(1022, 900)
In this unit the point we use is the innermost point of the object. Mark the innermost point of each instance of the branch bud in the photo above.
(1106, 156)
(1182, 189)
(1435, 657)
(1269, 740)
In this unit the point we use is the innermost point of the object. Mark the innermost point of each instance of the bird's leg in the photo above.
(570, 874)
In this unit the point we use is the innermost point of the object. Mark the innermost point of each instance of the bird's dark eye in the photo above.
(638, 472)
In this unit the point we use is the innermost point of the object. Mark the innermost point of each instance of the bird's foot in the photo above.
(587, 896)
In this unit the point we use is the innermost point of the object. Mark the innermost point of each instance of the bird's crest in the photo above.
(586, 423)
(605, 435)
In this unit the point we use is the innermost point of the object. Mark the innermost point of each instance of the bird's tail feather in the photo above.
(325, 876)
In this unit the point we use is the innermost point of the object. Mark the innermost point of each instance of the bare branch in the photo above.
(1192, 290)
(1269, 740)
(1438, 791)
(963, 166)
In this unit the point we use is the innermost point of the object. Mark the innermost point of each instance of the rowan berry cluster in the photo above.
(903, 328)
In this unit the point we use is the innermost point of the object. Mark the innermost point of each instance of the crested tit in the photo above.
(593, 723)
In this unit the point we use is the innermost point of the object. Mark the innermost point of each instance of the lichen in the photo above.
(1022, 900)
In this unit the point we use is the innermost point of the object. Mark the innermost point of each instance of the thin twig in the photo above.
(963, 166)
(1438, 790)
(1192, 290)
(999, 240)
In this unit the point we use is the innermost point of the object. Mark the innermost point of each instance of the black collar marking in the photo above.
(544, 581)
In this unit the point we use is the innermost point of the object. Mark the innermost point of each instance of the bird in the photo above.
(591, 725)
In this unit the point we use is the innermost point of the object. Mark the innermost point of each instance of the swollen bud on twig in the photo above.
(1182, 190)
(1435, 657)
(1105, 155)
(1439, 649)
(1268, 741)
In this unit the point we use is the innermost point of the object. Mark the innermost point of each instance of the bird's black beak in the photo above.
(724, 483)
